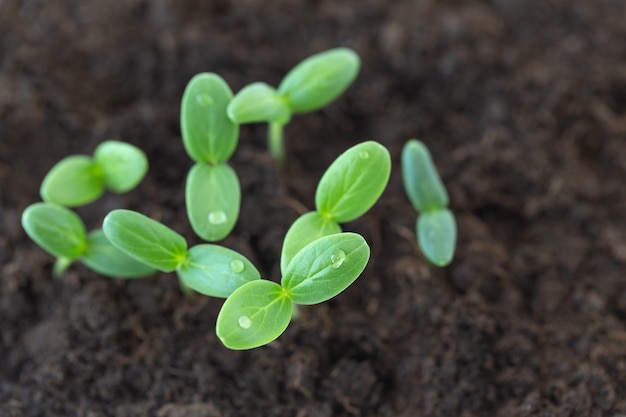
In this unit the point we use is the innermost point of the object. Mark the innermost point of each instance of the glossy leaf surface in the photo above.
(106, 259)
(353, 182)
(145, 239)
(325, 267)
(258, 102)
(57, 229)
(213, 197)
(436, 235)
(123, 165)
(74, 181)
(305, 229)
(254, 315)
(421, 179)
(216, 271)
(208, 133)
(319, 79)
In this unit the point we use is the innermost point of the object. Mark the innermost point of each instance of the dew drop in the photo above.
(217, 217)
(237, 266)
(337, 258)
(244, 322)
(204, 99)
(364, 154)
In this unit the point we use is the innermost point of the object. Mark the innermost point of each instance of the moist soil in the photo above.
(523, 105)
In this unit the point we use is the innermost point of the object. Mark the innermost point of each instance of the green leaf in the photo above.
(325, 267)
(304, 230)
(258, 102)
(216, 271)
(254, 315)
(354, 182)
(208, 134)
(73, 181)
(123, 165)
(213, 196)
(145, 239)
(436, 235)
(421, 180)
(56, 229)
(319, 79)
(104, 258)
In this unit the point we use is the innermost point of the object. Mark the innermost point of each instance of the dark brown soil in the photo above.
(523, 104)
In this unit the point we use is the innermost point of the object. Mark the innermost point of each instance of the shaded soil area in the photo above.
(523, 105)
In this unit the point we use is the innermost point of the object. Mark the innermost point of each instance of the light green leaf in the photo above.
(216, 271)
(325, 267)
(305, 229)
(73, 181)
(436, 234)
(106, 259)
(319, 79)
(123, 165)
(208, 134)
(354, 182)
(254, 315)
(213, 196)
(258, 102)
(56, 229)
(145, 239)
(421, 180)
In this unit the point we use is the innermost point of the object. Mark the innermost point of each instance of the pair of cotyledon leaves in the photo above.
(435, 226)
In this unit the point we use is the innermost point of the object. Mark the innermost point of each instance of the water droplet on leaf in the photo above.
(244, 322)
(217, 217)
(364, 154)
(337, 258)
(237, 265)
(204, 99)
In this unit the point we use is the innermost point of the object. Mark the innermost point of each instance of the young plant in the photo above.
(60, 232)
(309, 86)
(212, 192)
(79, 179)
(436, 225)
(209, 269)
(348, 189)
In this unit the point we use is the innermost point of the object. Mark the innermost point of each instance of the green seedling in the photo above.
(60, 232)
(209, 269)
(79, 179)
(347, 190)
(309, 86)
(436, 225)
(258, 312)
(212, 191)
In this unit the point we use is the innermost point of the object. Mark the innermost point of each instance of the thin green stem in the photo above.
(275, 142)
(60, 266)
(184, 288)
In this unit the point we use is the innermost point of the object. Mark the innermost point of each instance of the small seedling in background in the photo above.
(309, 86)
(436, 226)
(348, 189)
(212, 192)
(209, 269)
(80, 179)
(60, 231)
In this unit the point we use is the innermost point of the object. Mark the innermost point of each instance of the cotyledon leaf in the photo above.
(422, 182)
(436, 234)
(106, 259)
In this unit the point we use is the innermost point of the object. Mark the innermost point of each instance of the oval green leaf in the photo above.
(213, 197)
(73, 181)
(319, 79)
(208, 134)
(325, 267)
(216, 271)
(123, 165)
(436, 235)
(258, 102)
(57, 229)
(354, 182)
(145, 239)
(104, 258)
(421, 180)
(254, 315)
(304, 230)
